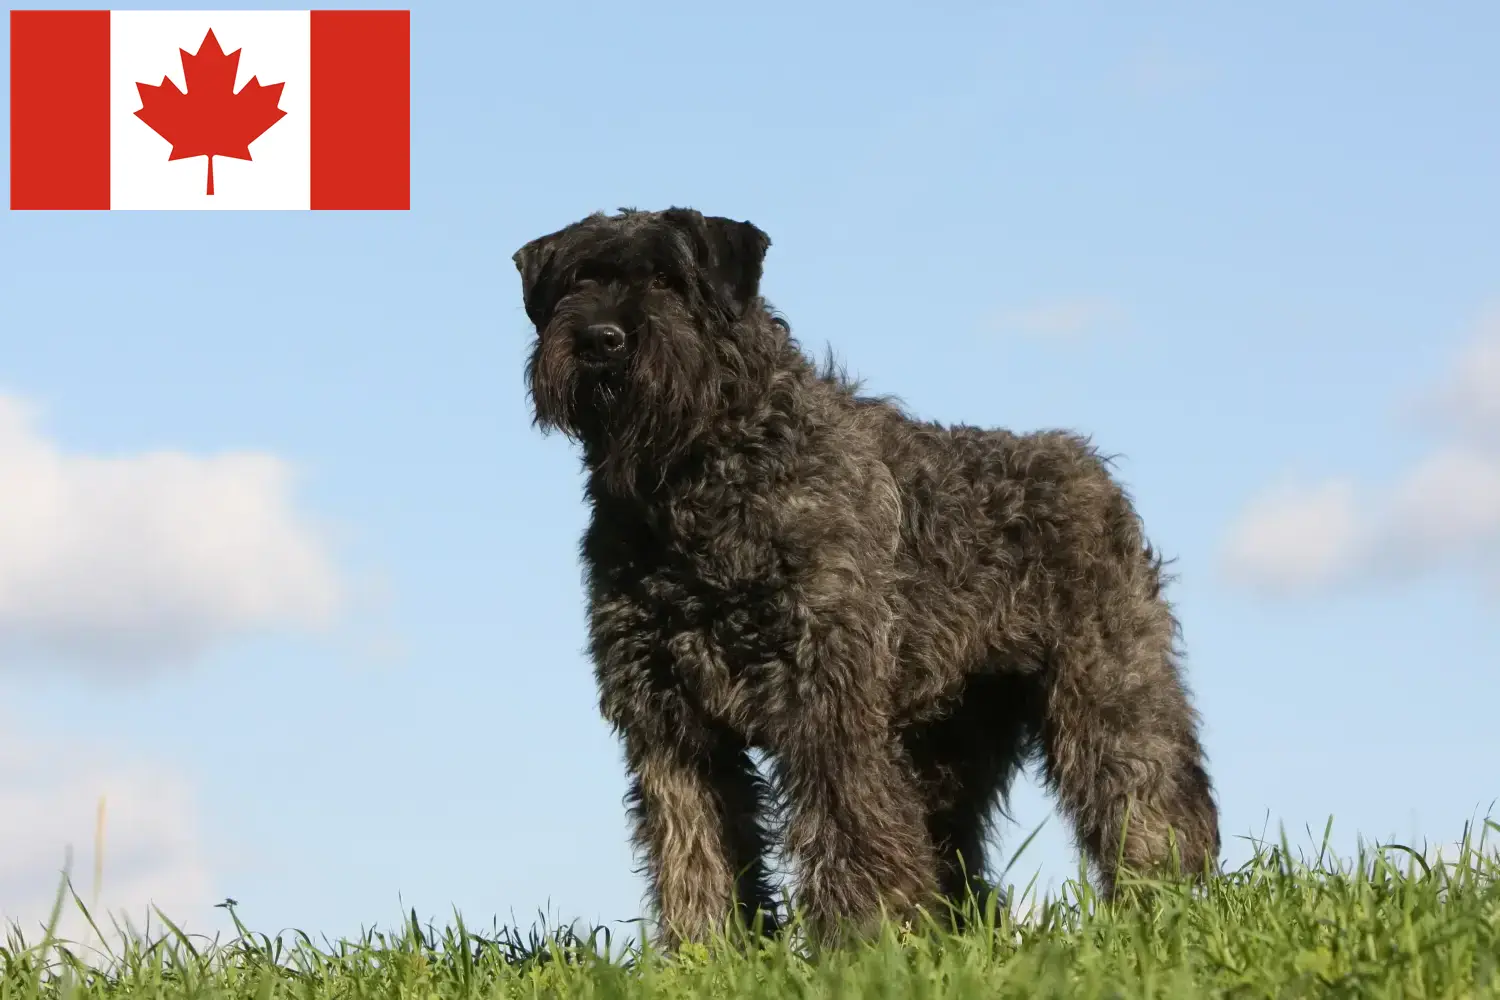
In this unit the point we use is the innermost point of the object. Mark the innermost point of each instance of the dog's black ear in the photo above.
(533, 261)
(731, 254)
(743, 253)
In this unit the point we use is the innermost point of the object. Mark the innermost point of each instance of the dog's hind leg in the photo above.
(1120, 739)
(966, 761)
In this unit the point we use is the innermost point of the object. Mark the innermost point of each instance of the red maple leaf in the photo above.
(210, 119)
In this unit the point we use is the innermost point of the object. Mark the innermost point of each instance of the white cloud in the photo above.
(1295, 538)
(147, 559)
(1442, 511)
(1446, 507)
(1062, 318)
(152, 852)
(1470, 396)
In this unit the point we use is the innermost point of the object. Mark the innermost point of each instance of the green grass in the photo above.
(1385, 924)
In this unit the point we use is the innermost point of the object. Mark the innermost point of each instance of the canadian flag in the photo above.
(156, 109)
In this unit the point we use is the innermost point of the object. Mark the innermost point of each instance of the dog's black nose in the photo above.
(601, 339)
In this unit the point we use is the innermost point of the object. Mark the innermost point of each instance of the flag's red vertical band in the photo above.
(59, 109)
(361, 109)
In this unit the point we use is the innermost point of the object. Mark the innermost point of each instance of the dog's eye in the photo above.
(658, 282)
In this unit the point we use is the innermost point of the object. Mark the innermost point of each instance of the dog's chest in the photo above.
(726, 634)
(724, 627)
(708, 587)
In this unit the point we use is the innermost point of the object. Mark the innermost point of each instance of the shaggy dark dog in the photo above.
(899, 613)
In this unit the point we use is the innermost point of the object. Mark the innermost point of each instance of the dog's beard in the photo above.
(566, 391)
(568, 395)
(632, 420)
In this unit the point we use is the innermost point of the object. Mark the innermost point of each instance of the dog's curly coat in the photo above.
(899, 613)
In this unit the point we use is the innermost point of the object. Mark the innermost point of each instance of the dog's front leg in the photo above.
(856, 829)
(693, 809)
(696, 799)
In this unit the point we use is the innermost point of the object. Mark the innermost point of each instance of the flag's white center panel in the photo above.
(274, 47)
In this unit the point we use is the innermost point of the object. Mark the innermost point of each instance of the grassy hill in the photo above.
(1389, 923)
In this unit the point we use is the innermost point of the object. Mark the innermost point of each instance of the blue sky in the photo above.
(315, 628)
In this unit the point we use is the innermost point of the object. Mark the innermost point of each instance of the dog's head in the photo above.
(645, 323)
